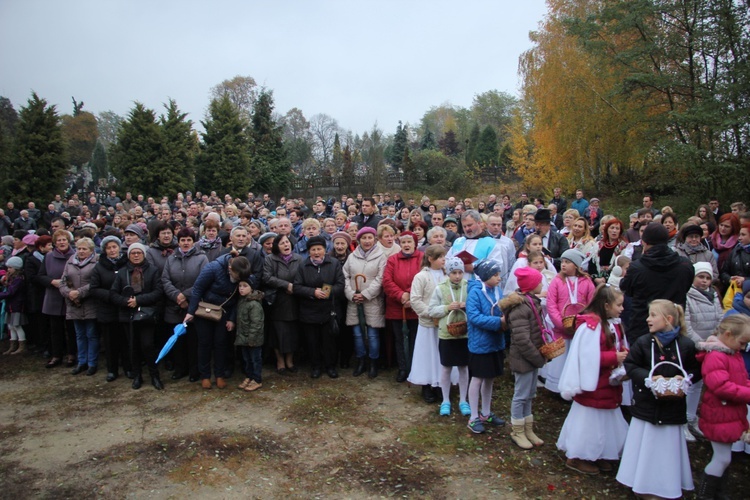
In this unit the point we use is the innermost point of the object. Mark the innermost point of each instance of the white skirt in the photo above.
(627, 393)
(740, 446)
(554, 369)
(592, 433)
(655, 460)
(425, 362)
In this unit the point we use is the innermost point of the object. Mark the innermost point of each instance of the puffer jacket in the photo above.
(309, 277)
(702, 254)
(102, 278)
(727, 392)
(399, 272)
(179, 275)
(150, 296)
(250, 320)
(422, 288)
(701, 314)
(13, 295)
(647, 407)
(53, 269)
(213, 285)
(484, 320)
(558, 298)
(441, 299)
(737, 264)
(525, 334)
(77, 276)
(373, 267)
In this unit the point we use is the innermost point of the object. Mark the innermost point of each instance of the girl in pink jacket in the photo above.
(725, 399)
(570, 286)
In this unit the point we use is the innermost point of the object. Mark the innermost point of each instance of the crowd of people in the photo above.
(643, 325)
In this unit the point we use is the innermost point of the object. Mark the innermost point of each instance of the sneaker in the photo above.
(688, 435)
(445, 409)
(582, 466)
(253, 386)
(244, 383)
(492, 419)
(476, 426)
(464, 408)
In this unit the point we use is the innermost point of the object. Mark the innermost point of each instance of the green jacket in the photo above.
(250, 320)
(439, 302)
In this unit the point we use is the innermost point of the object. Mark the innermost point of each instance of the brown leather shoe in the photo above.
(221, 383)
(604, 466)
(206, 383)
(582, 466)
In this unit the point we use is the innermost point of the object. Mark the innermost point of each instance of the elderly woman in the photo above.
(319, 284)
(279, 270)
(137, 291)
(180, 272)
(436, 236)
(569, 216)
(387, 238)
(80, 305)
(210, 243)
(50, 276)
(341, 250)
(400, 270)
(690, 245)
(310, 229)
(266, 242)
(216, 284)
(37, 332)
(363, 275)
(111, 262)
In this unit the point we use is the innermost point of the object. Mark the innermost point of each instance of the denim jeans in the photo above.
(253, 358)
(373, 342)
(87, 340)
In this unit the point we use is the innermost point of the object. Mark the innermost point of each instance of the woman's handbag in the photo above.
(212, 312)
(144, 313)
(552, 348)
(334, 318)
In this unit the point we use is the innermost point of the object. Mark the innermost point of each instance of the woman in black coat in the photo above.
(318, 284)
(137, 290)
(37, 331)
(114, 336)
(279, 270)
(737, 266)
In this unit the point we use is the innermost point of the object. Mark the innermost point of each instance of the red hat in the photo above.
(528, 278)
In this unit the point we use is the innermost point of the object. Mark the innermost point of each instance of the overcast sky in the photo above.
(357, 61)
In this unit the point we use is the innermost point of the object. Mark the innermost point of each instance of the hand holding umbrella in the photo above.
(178, 330)
(361, 309)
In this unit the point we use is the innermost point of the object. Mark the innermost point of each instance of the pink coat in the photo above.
(558, 297)
(727, 392)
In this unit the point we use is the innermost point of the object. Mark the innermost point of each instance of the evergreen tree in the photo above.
(138, 151)
(486, 152)
(449, 145)
(38, 167)
(377, 158)
(472, 145)
(336, 163)
(411, 176)
(428, 140)
(223, 163)
(99, 164)
(176, 165)
(269, 165)
(400, 143)
(347, 170)
(8, 116)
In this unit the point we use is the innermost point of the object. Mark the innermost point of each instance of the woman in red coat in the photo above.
(725, 399)
(399, 273)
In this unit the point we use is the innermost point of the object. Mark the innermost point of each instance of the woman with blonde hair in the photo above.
(580, 238)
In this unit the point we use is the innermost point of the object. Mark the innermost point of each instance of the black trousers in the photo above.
(116, 349)
(321, 345)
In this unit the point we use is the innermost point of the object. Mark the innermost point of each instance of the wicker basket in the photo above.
(569, 320)
(552, 348)
(457, 328)
(668, 387)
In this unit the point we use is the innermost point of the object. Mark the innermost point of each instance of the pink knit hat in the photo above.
(528, 278)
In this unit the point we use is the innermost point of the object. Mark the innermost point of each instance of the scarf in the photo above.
(672, 233)
(82, 263)
(364, 254)
(114, 261)
(526, 231)
(669, 336)
(608, 243)
(287, 258)
(317, 262)
(39, 255)
(136, 279)
(694, 249)
(729, 244)
(207, 244)
(746, 248)
(708, 293)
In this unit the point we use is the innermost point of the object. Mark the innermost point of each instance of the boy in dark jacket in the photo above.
(250, 335)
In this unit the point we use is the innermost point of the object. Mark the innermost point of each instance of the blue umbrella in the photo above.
(178, 330)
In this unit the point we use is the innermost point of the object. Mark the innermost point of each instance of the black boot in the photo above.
(427, 394)
(721, 485)
(156, 382)
(137, 381)
(401, 376)
(360, 369)
(708, 487)
(373, 368)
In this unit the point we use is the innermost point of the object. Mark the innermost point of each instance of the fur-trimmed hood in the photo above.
(713, 343)
(513, 300)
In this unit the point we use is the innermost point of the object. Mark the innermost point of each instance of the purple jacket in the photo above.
(14, 294)
(53, 269)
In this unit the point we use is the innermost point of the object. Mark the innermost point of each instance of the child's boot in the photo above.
(529, 431)
(12, 347)
(21, 347)
(708, 487)
(518, 433)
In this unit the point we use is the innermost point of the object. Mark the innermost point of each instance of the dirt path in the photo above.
(63, 436)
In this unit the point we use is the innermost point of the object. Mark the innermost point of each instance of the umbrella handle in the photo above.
(356, 281)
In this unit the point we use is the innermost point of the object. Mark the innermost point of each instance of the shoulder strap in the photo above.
(536, 313)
